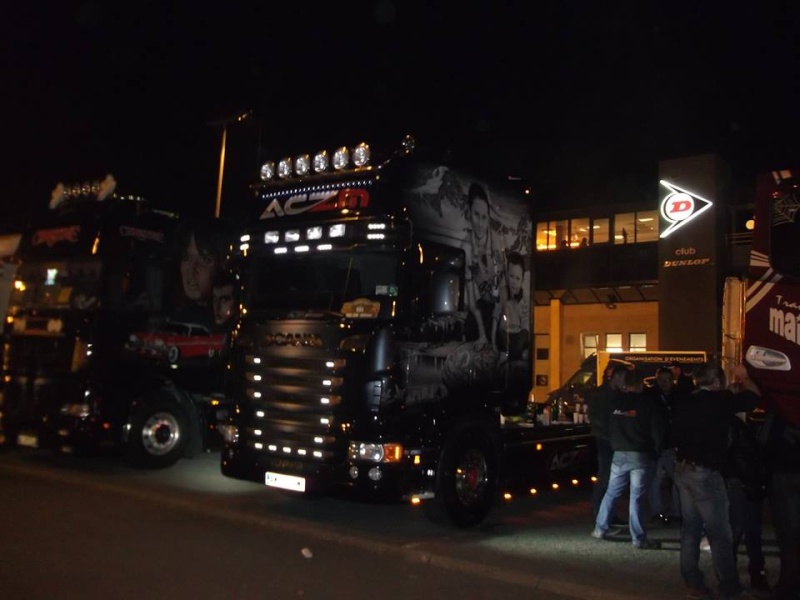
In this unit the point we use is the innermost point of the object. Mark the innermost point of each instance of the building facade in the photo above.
(638, 276)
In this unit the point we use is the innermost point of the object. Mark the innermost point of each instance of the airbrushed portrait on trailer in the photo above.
(202, 298)
(487, 338)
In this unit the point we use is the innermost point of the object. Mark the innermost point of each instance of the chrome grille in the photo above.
(292, 408)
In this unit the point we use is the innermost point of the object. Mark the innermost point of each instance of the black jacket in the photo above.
(599, 406)
(637, 423)
(701, 424)
(745, 459)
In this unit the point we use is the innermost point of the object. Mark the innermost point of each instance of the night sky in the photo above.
(580, 98)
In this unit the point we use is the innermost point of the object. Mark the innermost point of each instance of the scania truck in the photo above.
(93, 284)
(385, 342)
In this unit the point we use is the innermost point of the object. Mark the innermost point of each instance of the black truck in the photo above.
(99, 349)
(385, 343)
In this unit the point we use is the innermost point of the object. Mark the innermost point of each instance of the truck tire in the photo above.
(466, 481)
(158, 436)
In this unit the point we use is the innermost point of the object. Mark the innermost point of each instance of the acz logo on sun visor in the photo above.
(679, 207)
(329, 200)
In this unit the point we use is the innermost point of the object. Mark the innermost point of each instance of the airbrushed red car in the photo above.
(177, 341)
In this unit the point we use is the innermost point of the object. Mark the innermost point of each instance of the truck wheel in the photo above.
(466, 479)
(158, 436)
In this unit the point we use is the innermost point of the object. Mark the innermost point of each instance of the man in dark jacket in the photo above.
(599, 405)
(637, 430)
(665, 391)
(700, 430)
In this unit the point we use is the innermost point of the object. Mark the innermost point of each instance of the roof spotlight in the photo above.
(361, 154)
(285, 168)
(268, 171)
(321, 161)
(341, 158)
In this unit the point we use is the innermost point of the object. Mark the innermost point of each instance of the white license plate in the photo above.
(28, 440)
(285, 482)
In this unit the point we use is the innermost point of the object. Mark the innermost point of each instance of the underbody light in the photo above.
(281, 250)
(323, 247)
(260, 414)
(301, 249)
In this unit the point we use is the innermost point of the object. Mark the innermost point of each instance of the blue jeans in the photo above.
(704, 504)
(626, 468)
(604, 455)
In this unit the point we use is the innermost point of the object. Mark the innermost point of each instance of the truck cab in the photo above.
(93, 271)
(385, 342)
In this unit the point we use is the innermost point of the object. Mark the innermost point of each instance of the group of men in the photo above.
(684, 430)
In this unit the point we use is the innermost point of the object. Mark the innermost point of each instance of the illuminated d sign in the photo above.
(680, 206)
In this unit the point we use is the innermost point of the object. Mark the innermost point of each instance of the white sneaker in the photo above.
(704, 545)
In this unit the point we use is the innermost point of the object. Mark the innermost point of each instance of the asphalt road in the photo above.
(94, 528)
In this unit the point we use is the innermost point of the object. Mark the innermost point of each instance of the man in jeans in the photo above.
(599, 404)
(700, 432)
(637, 428)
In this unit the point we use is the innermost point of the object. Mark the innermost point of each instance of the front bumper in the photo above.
(389, 481)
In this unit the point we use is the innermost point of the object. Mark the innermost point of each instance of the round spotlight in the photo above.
(341, 158)
(285, 168)
(302, 164)
(321, 161)
(268, 171)
(361, 154)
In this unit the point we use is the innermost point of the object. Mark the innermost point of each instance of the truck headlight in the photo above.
(377, 453)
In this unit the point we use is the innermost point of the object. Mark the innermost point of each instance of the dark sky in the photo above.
(575, 96)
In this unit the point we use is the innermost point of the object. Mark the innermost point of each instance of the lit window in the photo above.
(545, 238)
(600, 231)
(613, 342)
(647, 226)
(625, 228)
(637, 342)
(579, 233)
(588, 344)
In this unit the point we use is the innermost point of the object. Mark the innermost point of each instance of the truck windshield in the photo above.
(322, 281)
(67, 284)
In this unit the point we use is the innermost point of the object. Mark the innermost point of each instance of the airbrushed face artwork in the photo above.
(486, 341)
(197, 272)
(204, 291)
